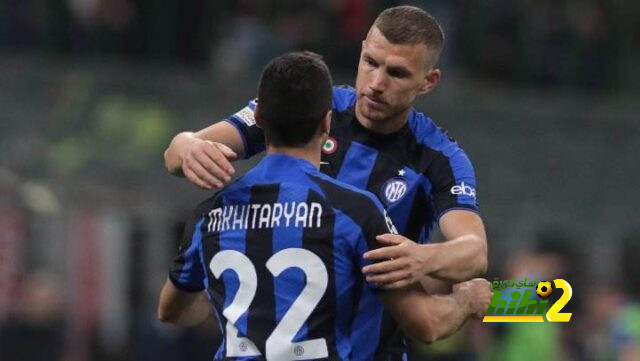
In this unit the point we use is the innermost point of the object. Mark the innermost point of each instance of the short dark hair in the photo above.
(294, 94)
(411, 25)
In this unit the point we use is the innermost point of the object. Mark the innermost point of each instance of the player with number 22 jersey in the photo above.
(282, 246)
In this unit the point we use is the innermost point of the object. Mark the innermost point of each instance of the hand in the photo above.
(207, 164)
(475, 295)
(399, 265)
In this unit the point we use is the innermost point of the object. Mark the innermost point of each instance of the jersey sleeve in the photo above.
(343, 97)
(252, 136)
(186, 271)
(454, 182)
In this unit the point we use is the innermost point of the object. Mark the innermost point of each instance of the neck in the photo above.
(310, 152)
(383, 126)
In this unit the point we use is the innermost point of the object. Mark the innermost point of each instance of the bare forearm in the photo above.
(427, 318)
(196, 314)
(446, 315)
(458, 259)
(181, 308)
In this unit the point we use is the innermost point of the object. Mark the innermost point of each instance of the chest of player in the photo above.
(383, 170)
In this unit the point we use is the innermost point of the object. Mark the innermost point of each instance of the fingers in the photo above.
(218, 156)
(228, 153)
(383, 253)
(483, 306)
(212, 168)
(386, 266)
(390, 277)
(390, 238)
(195, 179)
(479, 292)
(207, 164)
(200, 176)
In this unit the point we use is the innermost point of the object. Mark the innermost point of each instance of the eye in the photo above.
(370, 61)
(397, 73)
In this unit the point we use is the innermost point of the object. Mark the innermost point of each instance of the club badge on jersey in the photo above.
(394, 189)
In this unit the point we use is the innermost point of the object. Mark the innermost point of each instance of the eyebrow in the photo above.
(397, 70)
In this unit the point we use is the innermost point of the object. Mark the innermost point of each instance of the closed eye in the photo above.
(398, 72)
(369, 61)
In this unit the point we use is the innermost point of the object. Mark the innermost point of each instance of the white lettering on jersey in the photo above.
(464, 190)
(260, 216)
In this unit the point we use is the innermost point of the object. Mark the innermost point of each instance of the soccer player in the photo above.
(279, 250)
(380, 143)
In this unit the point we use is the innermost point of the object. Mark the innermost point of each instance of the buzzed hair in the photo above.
(294, 94)
(411, 25)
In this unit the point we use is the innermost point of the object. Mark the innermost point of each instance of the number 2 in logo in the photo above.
(554, 314)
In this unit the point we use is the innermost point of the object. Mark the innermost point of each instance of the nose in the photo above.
(378, 81)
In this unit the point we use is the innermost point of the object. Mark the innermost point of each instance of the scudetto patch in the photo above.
(330, 146)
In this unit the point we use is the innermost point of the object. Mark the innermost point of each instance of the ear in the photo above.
(325, 125)
(258, 118)
(429, 81)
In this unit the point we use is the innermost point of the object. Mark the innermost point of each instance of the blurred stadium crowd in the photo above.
(588, 44)
(541, 94)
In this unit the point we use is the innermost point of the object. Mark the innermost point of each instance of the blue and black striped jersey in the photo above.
(279, 252)
(418, 173)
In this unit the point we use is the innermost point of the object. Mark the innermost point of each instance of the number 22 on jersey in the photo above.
(279, 345)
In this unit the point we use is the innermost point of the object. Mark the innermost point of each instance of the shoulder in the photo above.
(429, 134)
(238, 186)
(436, 142)
(362, 207)
(345, 197)
(344, 96)
(204, 207)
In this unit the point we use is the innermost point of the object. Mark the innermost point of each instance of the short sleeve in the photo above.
(186, 271)
(454, 183)
(252, 136)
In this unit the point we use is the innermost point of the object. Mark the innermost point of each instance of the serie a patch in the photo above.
(246, 116)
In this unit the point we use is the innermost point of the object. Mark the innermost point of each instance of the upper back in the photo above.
(289, 240)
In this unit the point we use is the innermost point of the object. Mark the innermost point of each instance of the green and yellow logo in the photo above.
(514, 306)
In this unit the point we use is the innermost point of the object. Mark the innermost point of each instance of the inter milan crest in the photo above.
(330, 146)
(394, 190)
